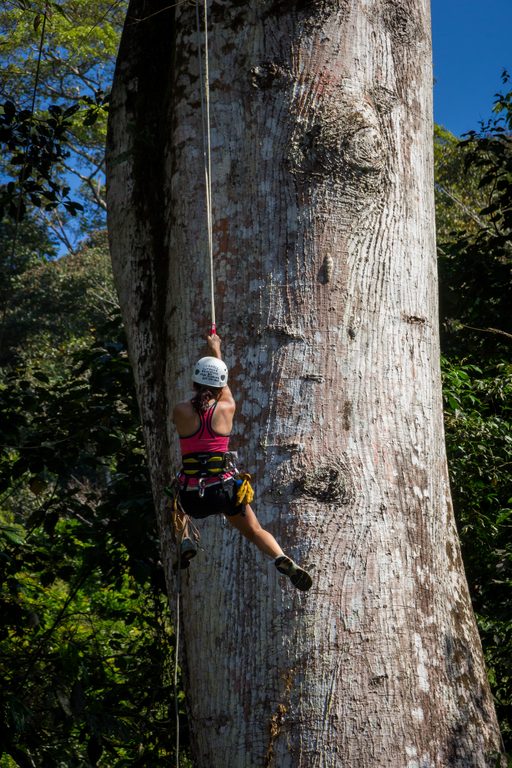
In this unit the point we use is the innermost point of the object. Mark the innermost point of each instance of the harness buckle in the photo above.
(201, 485)
(230, 459)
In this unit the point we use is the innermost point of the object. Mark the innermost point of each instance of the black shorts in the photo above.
(217, 499)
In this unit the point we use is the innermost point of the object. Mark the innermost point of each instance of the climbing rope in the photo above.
(176, 659)
(204, 85)
(173, 493)
(182, 525)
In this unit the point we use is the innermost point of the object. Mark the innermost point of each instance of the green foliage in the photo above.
(476, 296)
(476, 266)
(503, 103)
(478, 419)
(34, 246)
(33, 149)
(52, 304)
(85, 637)
(53, 125)
(458, 197)
(79, 48)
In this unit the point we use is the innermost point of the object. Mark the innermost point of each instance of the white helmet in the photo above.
(210, 371)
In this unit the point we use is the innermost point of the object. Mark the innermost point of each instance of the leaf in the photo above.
(73, 207)
(9, 109)
(60, 10)
(91, 117)
(486, 179)
(13, 533)
(71, 110)
(503, 516)
(24, 114)
(453, 402)
(490, 209)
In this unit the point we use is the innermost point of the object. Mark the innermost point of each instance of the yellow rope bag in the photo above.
(245, 493)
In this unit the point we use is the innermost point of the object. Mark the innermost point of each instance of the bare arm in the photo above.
(214, 342)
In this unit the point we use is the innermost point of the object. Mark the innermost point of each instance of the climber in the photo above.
(209, 481)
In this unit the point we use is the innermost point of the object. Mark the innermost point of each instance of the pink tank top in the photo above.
(205, 439)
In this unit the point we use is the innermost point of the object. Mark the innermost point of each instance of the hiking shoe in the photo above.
(297, 575)
(188, 550)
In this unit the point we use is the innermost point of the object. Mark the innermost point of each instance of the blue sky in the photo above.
(472, 41)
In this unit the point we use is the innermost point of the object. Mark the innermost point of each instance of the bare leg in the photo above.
(249, 526)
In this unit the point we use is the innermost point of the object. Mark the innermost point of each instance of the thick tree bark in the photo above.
(326, 296)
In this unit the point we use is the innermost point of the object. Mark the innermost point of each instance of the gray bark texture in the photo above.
(325, 281)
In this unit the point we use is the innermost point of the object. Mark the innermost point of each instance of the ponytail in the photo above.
(200, 401)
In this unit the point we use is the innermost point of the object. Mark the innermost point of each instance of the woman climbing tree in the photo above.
(209, 483)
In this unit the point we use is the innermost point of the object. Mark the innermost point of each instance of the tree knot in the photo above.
(328, 482)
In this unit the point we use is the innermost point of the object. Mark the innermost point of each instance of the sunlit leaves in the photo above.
(475, 264)
(75, 72)
(34, 147)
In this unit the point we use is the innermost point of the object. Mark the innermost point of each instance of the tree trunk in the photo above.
(327, 301)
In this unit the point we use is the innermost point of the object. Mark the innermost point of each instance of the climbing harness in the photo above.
(206, 468)
(202, 465)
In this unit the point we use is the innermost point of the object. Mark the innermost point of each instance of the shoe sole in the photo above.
(187, 553)
(297, 575)
(302, 580)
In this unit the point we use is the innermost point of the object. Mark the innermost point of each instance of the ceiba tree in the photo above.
(325, 278)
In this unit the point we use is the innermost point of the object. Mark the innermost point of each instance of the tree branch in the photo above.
(94, 158)
(495, 331)
(57, 227)
(89, 180)
(468, 211)
(93, 84)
